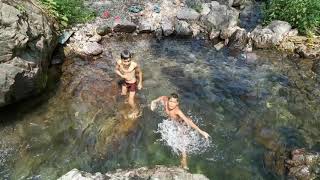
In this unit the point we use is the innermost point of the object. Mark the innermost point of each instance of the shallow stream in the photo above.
(248, 103)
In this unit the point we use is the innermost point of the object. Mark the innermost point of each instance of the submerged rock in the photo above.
(159, 173)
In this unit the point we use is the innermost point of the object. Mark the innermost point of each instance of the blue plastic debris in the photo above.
(135, 8)
(156, 8)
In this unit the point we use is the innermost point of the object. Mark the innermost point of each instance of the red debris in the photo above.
(106, 14)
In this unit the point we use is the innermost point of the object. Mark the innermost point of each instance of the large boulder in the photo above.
(187, 14)
(159, 173)
(270, 35)
(27, 42)
(220, 17)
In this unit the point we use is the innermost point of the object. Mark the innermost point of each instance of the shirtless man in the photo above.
(127, 70)
(171, 105)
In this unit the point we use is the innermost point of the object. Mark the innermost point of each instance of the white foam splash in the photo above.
(181, 137)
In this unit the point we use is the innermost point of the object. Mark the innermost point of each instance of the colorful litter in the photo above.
(135, 8)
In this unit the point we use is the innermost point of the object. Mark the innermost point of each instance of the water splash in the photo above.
(181, 137)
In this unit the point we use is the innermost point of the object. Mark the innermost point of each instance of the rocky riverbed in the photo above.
(274, 96)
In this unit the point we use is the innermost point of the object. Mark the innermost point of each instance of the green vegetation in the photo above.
(301, 14)
(197, 7)
(68, 11)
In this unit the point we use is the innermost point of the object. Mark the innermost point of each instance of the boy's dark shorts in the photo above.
(132, 87)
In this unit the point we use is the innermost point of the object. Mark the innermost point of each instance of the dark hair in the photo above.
(174, 95)
(125, 54)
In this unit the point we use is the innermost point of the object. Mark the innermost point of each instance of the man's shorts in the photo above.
(132, 87)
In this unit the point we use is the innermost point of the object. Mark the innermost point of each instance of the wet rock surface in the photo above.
(159, 172)
(270, 35)
(303, 165)
(28, 39)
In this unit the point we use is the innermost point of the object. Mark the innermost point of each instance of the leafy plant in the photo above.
(301, 14)
(68, 11)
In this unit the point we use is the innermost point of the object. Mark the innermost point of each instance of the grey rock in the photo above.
(304, 52)
(230, 2)
(288, 46)
(92, 48)
(262, 37)
(228, 32)
(237, 3)
(187, 14)
(103, 30)
(28, 39)
(219, 46)
(182, 28)
(158, 33)
(279, 27)
(18, 81)
(146, 26)
(293, 32)
(214, 34)
(205, 9)
(157, 173)
(124, 26)
(196, 29)
(95, 38)
(302, 164)
(167, 26)
(220, 17)
(271, 35)
(239, 40)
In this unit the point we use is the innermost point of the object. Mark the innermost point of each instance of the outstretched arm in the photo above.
(191, 124)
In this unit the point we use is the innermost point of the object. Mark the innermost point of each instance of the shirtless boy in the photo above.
(127, 70)
(171, 105)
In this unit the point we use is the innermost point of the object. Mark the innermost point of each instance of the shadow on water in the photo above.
(15, 112)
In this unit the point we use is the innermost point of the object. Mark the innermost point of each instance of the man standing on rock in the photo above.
(128, 70)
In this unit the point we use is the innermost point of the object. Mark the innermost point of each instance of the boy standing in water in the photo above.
(128, 70)
(171, 105)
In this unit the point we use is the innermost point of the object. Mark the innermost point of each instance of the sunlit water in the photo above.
(234, 99)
